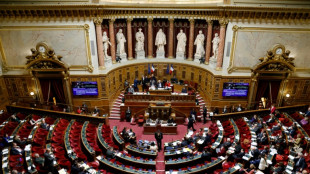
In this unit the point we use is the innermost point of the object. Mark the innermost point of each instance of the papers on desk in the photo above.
(119, 154)
(30, 137)
(28, 148)
(29, 168)
(69, 151)
(245, 119)
(5, 151)
(62, 171)
(4, 158)
(288, 171)
(289, 167)
(174, 143)
(237, 167)
(291, 157)
(173, 172)
(27, 158)
(259, 172)
(269, 162)
(200, 141)
(273, 151)
(246, 158)
(231, 148)
(254, 144)
(221, 157)
(218, 122)
(254, 136)
(178, 152)
(152, 124)
(99, 157)
(5, 165)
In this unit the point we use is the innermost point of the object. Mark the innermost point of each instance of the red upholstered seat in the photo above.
(140, 120)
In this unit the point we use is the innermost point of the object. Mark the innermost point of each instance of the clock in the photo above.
(279, 51)
(42, 49)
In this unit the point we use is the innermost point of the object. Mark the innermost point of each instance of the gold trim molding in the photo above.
(236, 29)
(89, 67)
(107, 11)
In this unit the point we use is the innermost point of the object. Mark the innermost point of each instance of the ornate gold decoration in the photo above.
(210, 22)
(223, 22)
(44, 57)
(98, 21)
(277, 59)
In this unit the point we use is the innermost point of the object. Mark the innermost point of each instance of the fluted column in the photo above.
(129, 39)
(112, 40)
(99, 43)
(209, 38)
(191, 39)
(170, 43)
(150, 37)
(219, 63)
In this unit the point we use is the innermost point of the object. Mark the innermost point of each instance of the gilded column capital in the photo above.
(129, 20)
(112, 20)
(223, 22)
(150, 19)
(210, 22)
(97, 21)
(192, 21)
(171, 19)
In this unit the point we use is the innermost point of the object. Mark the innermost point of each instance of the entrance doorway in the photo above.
(268, 89)
(52, 88)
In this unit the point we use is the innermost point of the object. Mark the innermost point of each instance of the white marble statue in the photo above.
(181, 37)
(199, 42)
(106, 44)
(139, 41)
(120, 38)
(160, 40)
(215, 46)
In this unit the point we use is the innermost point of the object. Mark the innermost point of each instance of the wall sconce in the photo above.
(33, 95)
(287, 95)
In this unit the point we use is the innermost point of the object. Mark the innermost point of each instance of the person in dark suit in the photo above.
(184, 90)
(206, 155)
(84, 108)
(204, 113)
(158, 137)
(48, 160)
(307, 114)
(300, 163)
(96, 111)
(39, 160)
(160, 84)
(174, 79)
(144, 82)
(263, 140)
(135, 85)
(191, 123)
(225, 110)
(193, 112)
(216, 110)
(255, 152)
(19, 141)
(170, 120)
(128, 115)
(110, 153)
(237, 148)
(16, 150)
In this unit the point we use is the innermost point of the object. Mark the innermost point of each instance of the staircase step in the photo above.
(117, 103)
(115, 118)
(115, 112)
(116, 108)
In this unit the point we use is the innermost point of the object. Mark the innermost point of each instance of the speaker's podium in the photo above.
(160, 112)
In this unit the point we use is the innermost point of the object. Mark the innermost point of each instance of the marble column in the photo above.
(129, 39)
(99, 43)
(209, 39)
(170, 42)
(191, 39)
(112, 40)
(219, 63)
(150, 37)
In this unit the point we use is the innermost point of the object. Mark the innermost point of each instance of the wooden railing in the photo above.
(261, 112)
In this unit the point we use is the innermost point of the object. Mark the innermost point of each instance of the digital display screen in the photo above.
(85, 88)
(235, 89)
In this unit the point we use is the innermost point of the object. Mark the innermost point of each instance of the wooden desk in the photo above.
(161, 112)
(167, 130)
(160, 92)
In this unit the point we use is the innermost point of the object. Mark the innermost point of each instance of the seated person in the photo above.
(16, 150)
(170, 120)
(187, 151)
(15, 118)
(307, 114)
(84, 108)
(96, 111)
(32, 122)
(174, 79)
(263, 140)
(49, 160)
(184, 90)
(304, 121)
(132, 136)
(160, 84)
(110, 153)
(5, 141)
(292, 130)
(19, 141)
(216, 110)
(239, 108)
(271, 120)
(167, 84)
(39, 160)
(153, 146)
(126, 84)
(300, 163)
(131, 90)
(297, 141)
(254, 119)
(276, 127)
(79, 111)
(44, 125)
(206, 155)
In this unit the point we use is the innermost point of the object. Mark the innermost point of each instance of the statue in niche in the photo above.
(160, 40)
(120, 38)
(139, 40)
(181, 37)
(199, 42)
(106, 44)
(215, 46)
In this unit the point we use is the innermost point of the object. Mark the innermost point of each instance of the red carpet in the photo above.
(181, 131)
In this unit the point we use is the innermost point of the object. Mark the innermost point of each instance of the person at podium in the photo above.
(131, 90)
(174, 79)
(170, 120)
(184, 90)
(96, 111)
(128, 115)
(160, 84)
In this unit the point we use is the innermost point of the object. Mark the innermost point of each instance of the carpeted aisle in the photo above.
(181, 132)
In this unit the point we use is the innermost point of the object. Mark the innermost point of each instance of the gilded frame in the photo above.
(89, 67)
(231, 68)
